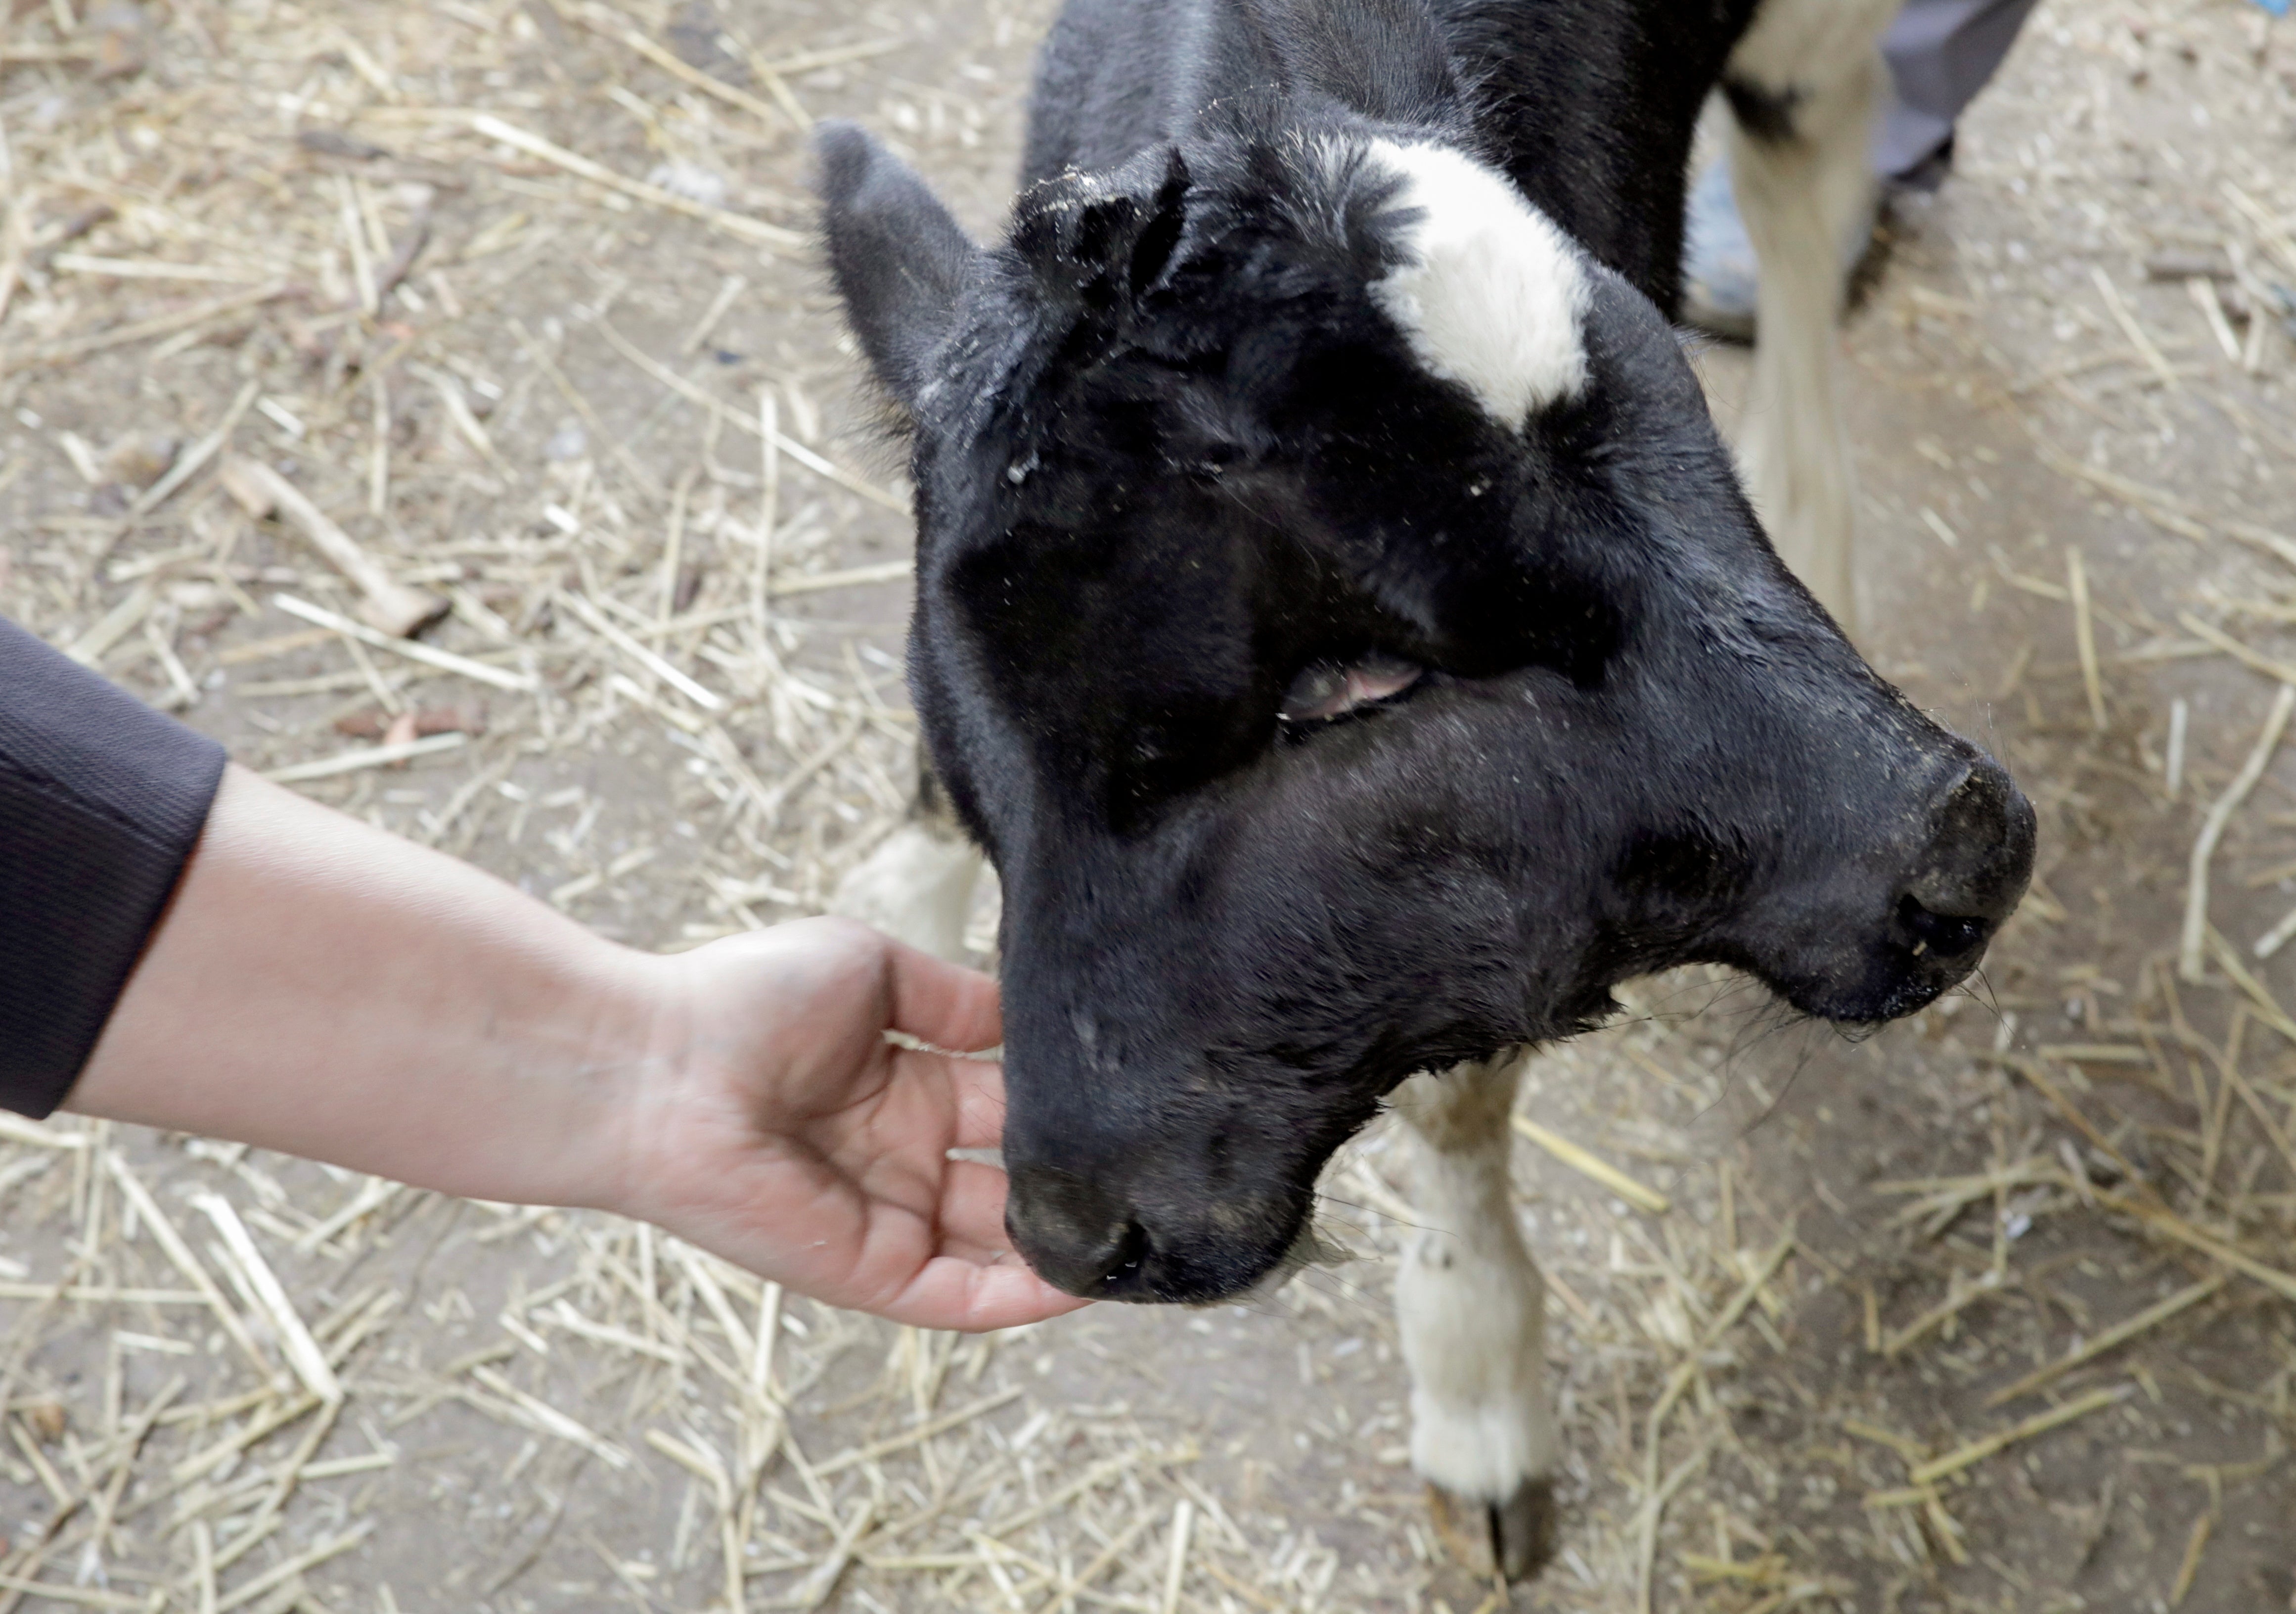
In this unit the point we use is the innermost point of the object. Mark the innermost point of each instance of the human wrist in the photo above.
(707, 1074)
(632, 1008)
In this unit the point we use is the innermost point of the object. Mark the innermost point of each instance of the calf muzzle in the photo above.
(1091, 1236)
(1966, 882)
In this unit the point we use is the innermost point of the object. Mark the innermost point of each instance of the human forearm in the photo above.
(320, 987)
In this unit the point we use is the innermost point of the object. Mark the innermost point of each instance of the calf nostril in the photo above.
(1099, 1266)
(1944, 935)
(1124, 1261)
(1078, 1237)
(1979, 857)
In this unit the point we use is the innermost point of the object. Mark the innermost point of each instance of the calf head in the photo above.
(1340, 624)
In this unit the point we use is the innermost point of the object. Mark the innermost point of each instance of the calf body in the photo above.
(1341, 625)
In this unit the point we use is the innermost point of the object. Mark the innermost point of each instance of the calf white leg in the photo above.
(1473, 1314)
(1801, 85)
(917, 887)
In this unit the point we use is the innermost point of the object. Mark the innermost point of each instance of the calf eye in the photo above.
(1330, 690)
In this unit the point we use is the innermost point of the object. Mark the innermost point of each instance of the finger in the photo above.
(942, 1004)
(998, 1254)
(978, 1086)
(973, 1205)
(951, 1293)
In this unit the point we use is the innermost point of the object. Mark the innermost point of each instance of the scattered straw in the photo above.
(2084, 636)
(2212, 829)
(2129, 327)
(180, 1252)
(303, 1354)
(671, 64)
(371, 756)
(573, 163)
(2167, 1223)
(1959, 1297)
(2152, 1317)
(16, 1129)
(145, 330)
(925, 1431)
(2270, 666)
(1176, 1564)
(550, 1420)
(391, 606)
(413, 650)
(194, 459)
(2189, 1568)
(2039, 1423)
(740, 421)
(2273, 940)
(852, 577)
(1588, 1166)
(301, 1563)
(708, 700)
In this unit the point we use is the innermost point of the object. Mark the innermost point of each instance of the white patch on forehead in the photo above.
(1492, 295)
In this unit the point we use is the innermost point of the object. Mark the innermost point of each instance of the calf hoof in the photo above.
(1514, 1538)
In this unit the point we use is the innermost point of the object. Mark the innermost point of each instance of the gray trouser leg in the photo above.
(1940, 54)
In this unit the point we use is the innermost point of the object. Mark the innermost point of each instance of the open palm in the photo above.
(791, 1136)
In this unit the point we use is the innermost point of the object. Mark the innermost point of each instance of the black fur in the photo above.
(1169, 451)
(896, 242)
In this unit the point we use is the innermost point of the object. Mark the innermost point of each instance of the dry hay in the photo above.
(323, 320)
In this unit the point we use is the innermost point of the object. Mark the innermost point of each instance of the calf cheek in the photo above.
(1380, 970)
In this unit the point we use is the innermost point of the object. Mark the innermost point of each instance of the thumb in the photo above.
(942, 1004)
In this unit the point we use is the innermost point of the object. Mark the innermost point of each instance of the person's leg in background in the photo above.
(1940, 54)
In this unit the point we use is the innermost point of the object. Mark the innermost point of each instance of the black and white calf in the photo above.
(1339, 624)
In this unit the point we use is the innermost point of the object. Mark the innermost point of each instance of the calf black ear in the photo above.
(898, 256)
(1098, 242)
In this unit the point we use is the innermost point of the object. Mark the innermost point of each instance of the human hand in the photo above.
(779, 1129)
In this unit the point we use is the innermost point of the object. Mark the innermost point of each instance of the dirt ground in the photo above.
(248, 228)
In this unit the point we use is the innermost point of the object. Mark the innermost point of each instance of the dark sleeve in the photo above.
(101, 800)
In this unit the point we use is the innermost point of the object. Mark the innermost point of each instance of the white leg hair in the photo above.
(1801, 191)
(917, 887)
(1470, 1301)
